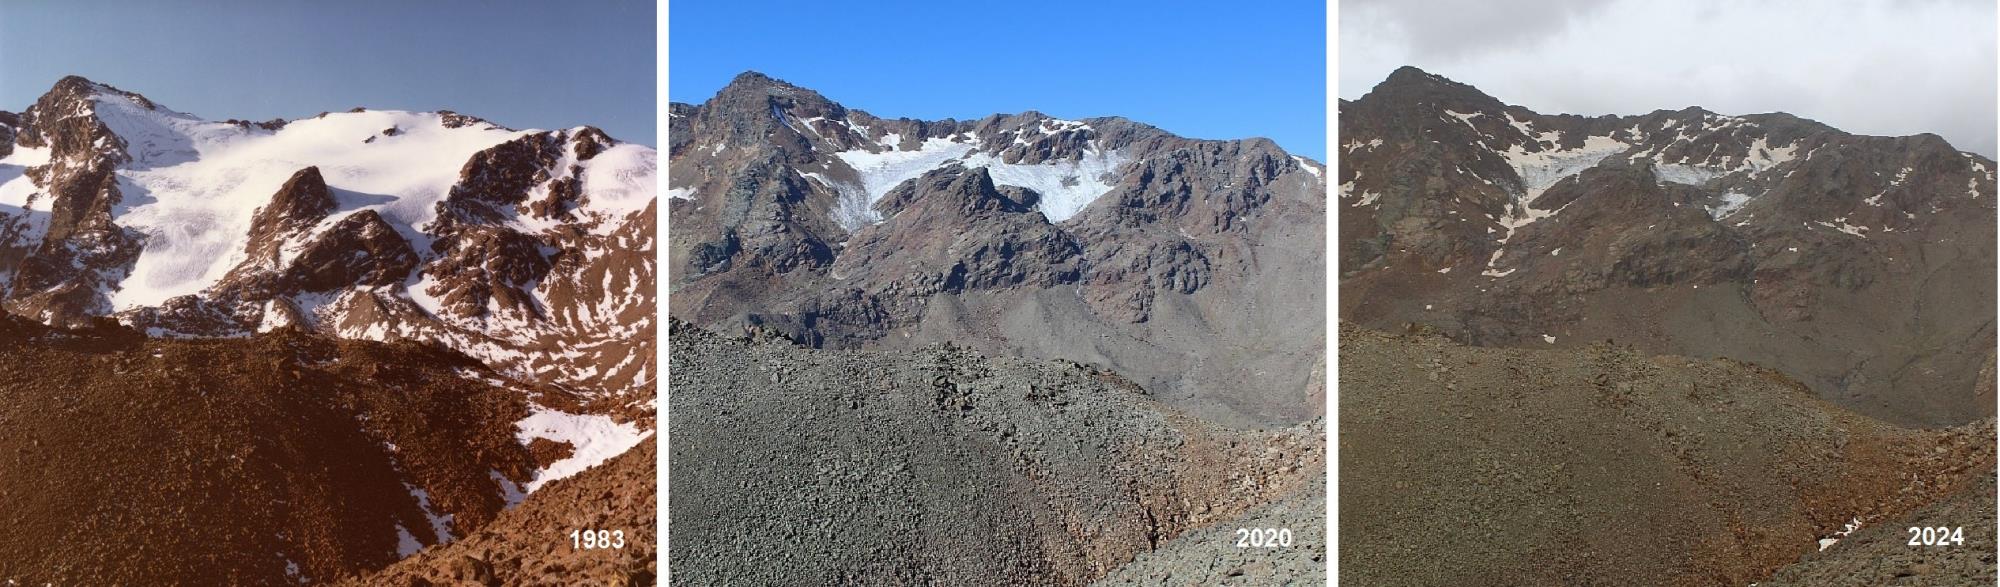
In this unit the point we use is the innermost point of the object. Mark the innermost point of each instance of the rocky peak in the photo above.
(500, 177)
(9, 126)
(966, 191)
(64, 121)
(1410, 86)
(303, 201)
(452, 119)
(588, 141)
(952, 230)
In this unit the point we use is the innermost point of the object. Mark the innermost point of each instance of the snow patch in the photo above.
(1852, 525)
(1731, 202)
(881, 172)
(593, 439)
(1465, 118)
(406, 544)
(1066, 187)
(1542, 169)
(1308, 166)
(1685, 174)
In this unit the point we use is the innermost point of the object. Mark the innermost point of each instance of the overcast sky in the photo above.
(1878, 67)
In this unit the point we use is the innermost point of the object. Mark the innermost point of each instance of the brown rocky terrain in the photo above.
(1879, 553)
(938, 465)
(281, 458)
(1192, 267)
(1859, 265)
(1603, 465)
(530, 544)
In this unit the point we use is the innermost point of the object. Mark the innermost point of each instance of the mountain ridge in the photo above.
(1687, 232)
(111, 204)
(841, 229)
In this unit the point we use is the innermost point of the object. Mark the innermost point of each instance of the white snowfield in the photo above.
(1066, 186)
(593, 439)
(193, 186)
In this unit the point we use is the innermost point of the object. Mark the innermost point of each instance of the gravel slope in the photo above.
(939, 466)
(1210, 555)
(530, 544)
(1602, 466)
(268, 460)
(1879, 554)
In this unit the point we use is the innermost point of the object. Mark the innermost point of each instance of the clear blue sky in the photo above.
(1211, 70)
(518, 63)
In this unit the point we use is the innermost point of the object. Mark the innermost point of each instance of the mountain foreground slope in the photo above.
(282, 457)
(1601, 465)
(1194, 268)
(941, 466)
(1862, 266)
(528, 545)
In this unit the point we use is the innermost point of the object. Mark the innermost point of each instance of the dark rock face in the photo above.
(996, 240)
(1102, 240)
(1860, 265)
(481, 265)
(360, 250)
(303, 201)
(10, 125)
(62, 277)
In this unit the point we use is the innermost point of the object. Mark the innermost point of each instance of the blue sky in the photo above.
(520, 64)
(1211, 70)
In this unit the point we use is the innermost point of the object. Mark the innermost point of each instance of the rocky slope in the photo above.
(281, 458)
(1602, 465)
(1210, 556)
(1879, 553)
(1192, 267)
(529, 544)
(1862, 266)
(940, 466)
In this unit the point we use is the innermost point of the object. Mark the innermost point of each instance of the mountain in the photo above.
(322, 345)
(1860, 265)
(1193, 267)
(947, 467)
(529, 250)
(1603, 465)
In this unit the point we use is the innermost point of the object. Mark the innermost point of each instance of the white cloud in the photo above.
(1881, 67)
